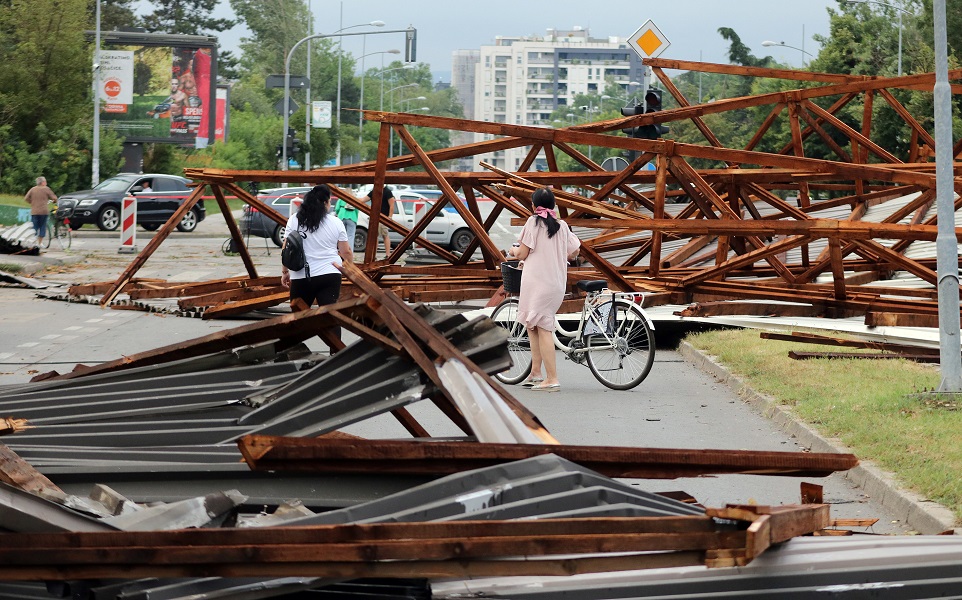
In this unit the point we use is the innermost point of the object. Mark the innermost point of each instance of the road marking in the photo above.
(5, 355)
(93, 320)
(52, 336)
(73, 328)
(28, 345)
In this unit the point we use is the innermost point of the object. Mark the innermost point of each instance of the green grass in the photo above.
(867, 404)
(11, 267)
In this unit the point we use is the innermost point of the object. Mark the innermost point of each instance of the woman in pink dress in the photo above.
(546, 245)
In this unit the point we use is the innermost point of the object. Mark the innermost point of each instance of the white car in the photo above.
(447, 229)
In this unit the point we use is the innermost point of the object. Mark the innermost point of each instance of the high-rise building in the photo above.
(523, 80)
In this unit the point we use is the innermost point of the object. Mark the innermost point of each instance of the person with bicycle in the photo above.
(38, 197)
(545, 247)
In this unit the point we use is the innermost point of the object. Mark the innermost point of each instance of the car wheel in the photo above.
(360, 239)
(189, 222)
(461, 239)
(108, 219)
(278, 236)
(150, 226)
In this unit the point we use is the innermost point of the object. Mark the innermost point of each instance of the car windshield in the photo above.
(114, 184)
(447, 207)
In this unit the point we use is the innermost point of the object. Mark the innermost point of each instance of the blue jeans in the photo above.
(350, 226)
(39, 225)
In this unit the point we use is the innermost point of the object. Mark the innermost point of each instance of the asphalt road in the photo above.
(678, 406)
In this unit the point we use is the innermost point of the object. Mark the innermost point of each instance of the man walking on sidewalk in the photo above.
(38, 197)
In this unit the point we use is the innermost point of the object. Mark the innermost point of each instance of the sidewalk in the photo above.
(924, 516)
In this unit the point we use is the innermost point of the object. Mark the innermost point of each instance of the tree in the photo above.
(46, 74)
(115, 14)
(188, 17)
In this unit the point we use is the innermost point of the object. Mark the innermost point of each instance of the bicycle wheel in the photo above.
(506, 316)
(622, 360)
(64, 236)
(46, 240)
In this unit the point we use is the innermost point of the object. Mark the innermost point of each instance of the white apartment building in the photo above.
(522, 80)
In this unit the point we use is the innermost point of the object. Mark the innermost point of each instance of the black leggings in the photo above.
(325, 289)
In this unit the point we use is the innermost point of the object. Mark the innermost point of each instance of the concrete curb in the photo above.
(922, 515)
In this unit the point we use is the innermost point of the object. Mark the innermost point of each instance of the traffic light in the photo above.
(653, 104)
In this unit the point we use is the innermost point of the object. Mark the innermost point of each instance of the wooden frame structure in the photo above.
(738, 237)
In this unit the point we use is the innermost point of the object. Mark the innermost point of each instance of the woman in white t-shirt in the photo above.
(325, 244)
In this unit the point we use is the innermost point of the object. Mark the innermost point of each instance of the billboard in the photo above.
(159, 88)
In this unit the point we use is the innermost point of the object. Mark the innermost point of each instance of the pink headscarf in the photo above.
(544, 212)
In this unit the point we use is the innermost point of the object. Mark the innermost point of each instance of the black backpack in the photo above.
(292, 256)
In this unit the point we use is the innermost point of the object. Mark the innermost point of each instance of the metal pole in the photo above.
(900, 43)
(95, 159)
(360, 114)
(307, 109)
(287, 79)
(946, 246)
(340, 57)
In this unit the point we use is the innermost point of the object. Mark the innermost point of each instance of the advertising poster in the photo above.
(321, 114)
(116, 80)
(170, 92)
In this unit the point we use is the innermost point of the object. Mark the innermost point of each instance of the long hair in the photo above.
(543, 198)
(314, 208)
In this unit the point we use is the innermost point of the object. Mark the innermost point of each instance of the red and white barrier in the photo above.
(128, 225)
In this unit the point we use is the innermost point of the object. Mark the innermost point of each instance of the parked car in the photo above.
(101, 205)
(254, 222)
(448, 229)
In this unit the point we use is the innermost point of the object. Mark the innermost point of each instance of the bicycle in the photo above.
(613, 338)
(59, 227)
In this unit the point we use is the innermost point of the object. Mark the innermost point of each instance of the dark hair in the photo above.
(542, 197)
(314, 208)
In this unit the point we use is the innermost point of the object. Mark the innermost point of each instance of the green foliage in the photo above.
(46, 74)
(189, 17)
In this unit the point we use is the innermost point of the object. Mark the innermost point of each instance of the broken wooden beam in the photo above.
(268, 453)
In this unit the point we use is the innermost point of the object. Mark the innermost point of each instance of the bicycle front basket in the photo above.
(511, 275)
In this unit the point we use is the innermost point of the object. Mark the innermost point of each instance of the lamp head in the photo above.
(770, 43)
(376, 23)
(393, 51)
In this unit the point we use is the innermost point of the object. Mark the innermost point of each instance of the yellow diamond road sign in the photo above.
(649, 41)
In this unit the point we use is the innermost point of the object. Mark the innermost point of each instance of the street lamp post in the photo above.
(402, 102)
(287, 79)
(95, 159)
(360, 116)
(391, 91)
(340, 57)
(901, 12)
(784, 45)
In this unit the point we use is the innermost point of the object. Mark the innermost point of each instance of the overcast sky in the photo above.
(690, 25)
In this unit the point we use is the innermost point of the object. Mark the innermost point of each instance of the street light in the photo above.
(95, 159)
(360, 116)
(422, 109)
(901, 12)
(340, 57)
(287, 87)
(409, 85)
(784, 45)
(382, 72)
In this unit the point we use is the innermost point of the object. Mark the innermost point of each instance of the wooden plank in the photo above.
(823, 340)
(371, 456)
(20, 474)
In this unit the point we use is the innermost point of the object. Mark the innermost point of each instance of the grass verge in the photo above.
(866, 404)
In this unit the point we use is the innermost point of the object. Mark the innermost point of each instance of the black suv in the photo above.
(162, 197)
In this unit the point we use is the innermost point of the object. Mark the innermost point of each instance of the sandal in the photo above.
(551, 387)
(531, 382)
